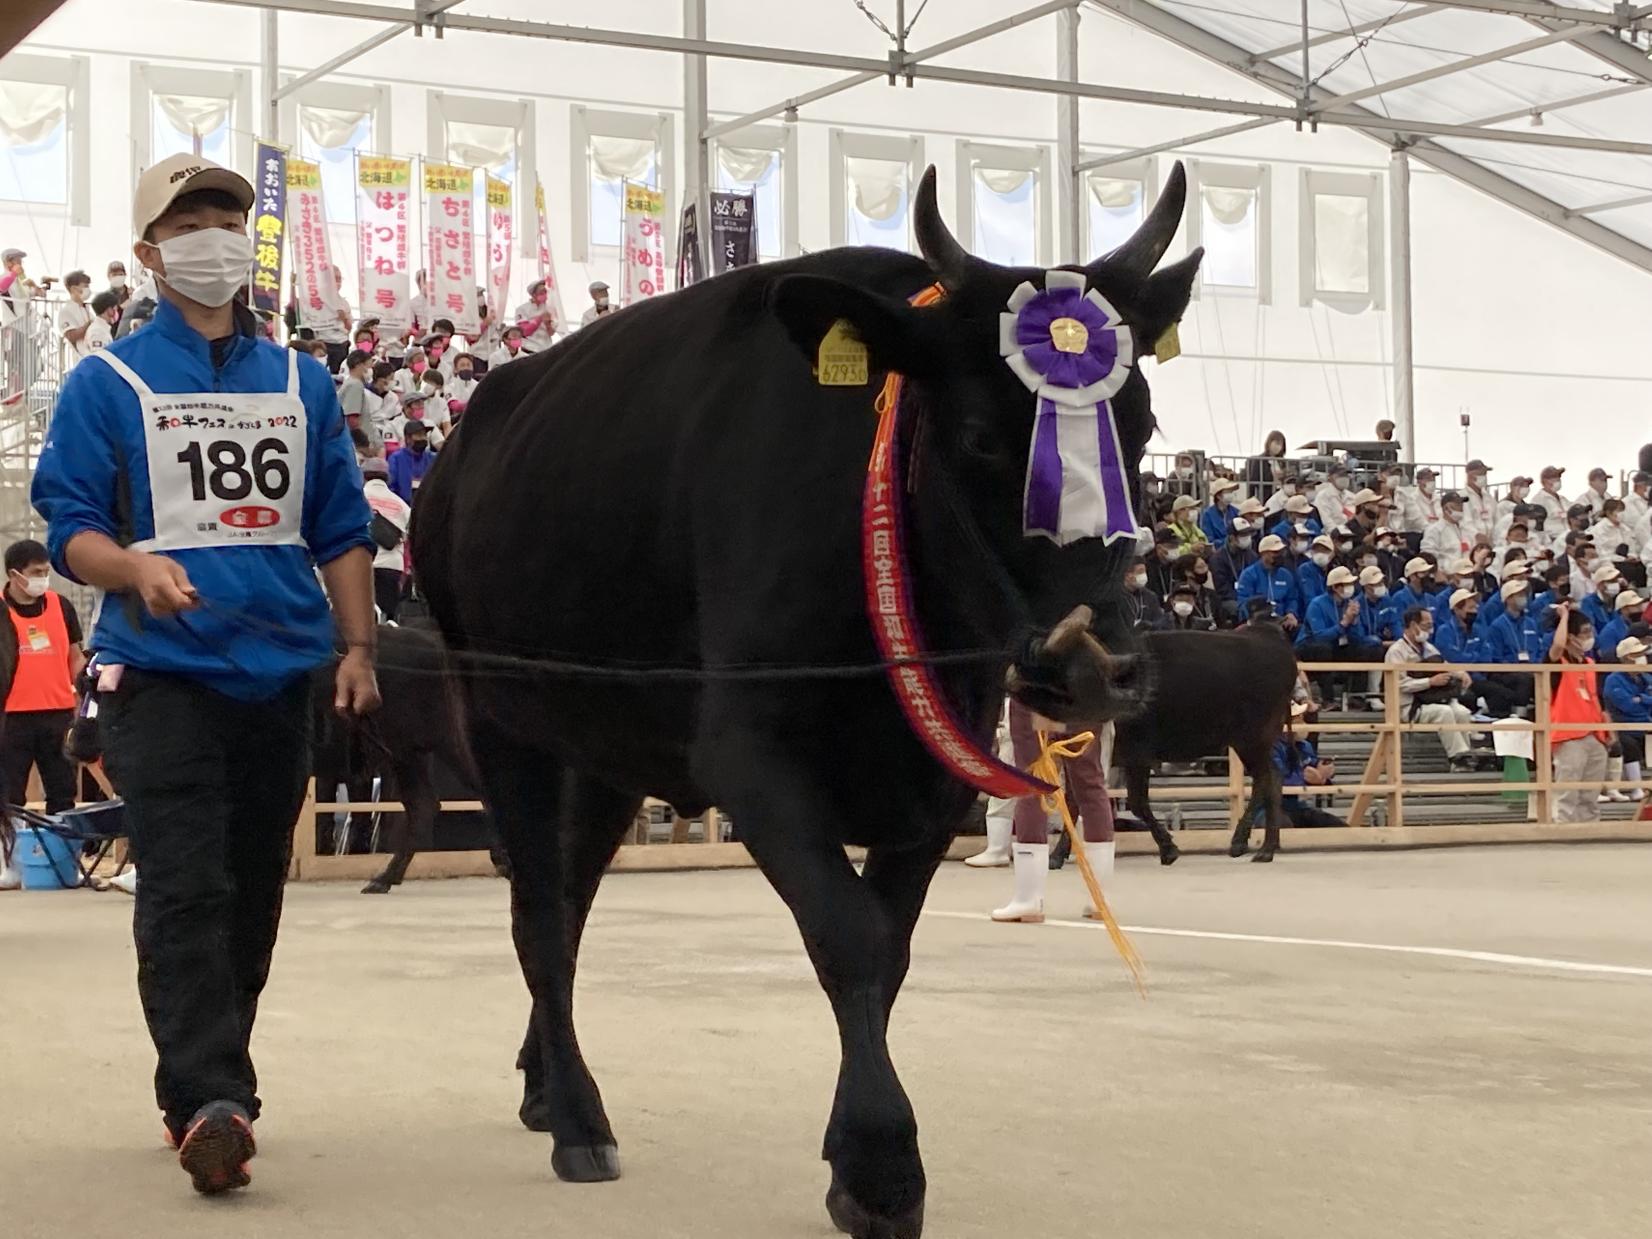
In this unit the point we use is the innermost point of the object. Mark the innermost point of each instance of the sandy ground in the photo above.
(1280, 1089)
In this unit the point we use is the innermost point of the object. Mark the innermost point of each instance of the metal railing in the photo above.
(1450, 475)
(32, 357)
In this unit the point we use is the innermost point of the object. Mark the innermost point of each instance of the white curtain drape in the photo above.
(1229, 206)
(1114, 195)
(1342, 244)
(877, 186)
(480, 146)
(196, 115)
(29, 111)
(621, 159)
(1002, 180)
(331, 128)
(745, 166)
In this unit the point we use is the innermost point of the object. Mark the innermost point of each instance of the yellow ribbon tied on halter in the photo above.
(1047, 769)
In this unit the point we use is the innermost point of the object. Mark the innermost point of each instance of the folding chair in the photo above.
(91, 831)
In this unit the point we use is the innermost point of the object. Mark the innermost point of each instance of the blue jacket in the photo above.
(1511, 635)
(1310, 583)
(1276, 584)
(1404, 598)
(1290, 756)
(1607, 638)
(1214, 521)
(1628, 697)
(97, 434)
(1594, 606)
(1491, 610)
(1324, 623)
(407, 467)
(1458, 644)
(1286, 529)
(1383, 620)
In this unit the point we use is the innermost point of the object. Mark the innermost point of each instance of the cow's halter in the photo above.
(895, 626)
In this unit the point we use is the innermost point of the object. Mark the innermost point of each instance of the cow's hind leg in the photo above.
(523, 789)
(1136, 799)
(594, 819)
(1265, 795)
(413, 829)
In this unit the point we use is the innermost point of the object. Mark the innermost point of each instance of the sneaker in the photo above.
(1374, 704)
(1480, 716)
(216, 1148)
(1614, 796)
(126, 883)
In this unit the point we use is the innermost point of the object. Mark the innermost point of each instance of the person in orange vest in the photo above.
(41, 704)
(1578, 748)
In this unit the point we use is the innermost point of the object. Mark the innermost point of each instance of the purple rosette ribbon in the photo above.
(1074, 352)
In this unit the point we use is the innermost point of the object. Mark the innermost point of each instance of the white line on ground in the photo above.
(1439, 952)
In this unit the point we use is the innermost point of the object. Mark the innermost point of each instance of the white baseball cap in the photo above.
(1511, 588)
(1339, 576)
(1628, 598)
(1607, 572)
(1419, 564)
(1630, 647)
(163, 183)
(1272, 542)
(1461, 596)
(1372, 576)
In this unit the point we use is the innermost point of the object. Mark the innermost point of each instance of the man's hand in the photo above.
(1289, 623)
(357, 687)
(1350, 613)
(1440, 680)
(163, 585)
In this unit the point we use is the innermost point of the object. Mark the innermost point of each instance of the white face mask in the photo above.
(1243, 543)
(1517, 493)
(1610, 589)
(1586, 644)
(1136, 580)
(1288, 489)
(1182, 608)
(117, 282)
(208, 265)
(1299, 545)
(1345, 592)
(1379, 591)
(36, 586)
(1322, 558)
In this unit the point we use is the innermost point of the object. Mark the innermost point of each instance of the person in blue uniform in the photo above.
(1608, 583)
(1628, 609)
(1310, 574)
(202, 476)
(1491, 609)
(1269, 578)
(1300, 767)
(1628, 699)
(1337, 629)
(1216, 518)
(1382, 618)
(1418, 590)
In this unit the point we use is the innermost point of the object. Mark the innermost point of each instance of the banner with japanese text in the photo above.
(384, 191)
(312, 264)
(499, 247)
(547, 265)
(449, 197)
(690, 266)
(269, 226)
(644, 273)
(733, 231)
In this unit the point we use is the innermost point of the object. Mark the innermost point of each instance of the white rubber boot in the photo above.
(1100, 856)
(1632, 772)
(1614, 774)
(1032, 871)
(997, 852)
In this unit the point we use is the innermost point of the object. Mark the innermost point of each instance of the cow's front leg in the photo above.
(858, 949)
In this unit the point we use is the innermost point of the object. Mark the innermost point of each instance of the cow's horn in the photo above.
(1141, 253)
(946, 258)
(1070, 631)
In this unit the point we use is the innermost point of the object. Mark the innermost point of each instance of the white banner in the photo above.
(644, 273)
(547, 265)
(499, 248)
(449, 197)
(383, 203)
(312, 265)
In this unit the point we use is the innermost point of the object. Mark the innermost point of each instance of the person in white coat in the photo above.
(1549, 498)
(1479, 504)
(1450, 538)
(1638, 502)
(391, 515)
(1331, 498)
(1595, 494)
(510, 348)
(1613, 536)
(1420, 503)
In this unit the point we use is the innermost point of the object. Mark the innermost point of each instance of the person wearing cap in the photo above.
(1582, 559)
(1479, 504)
(1595, 493)
(1185, 612)
(1300, 767)
(1141, 605)
(1449, 538)
(1454, 633)
(600, 305)
(115, 273)
(1628, 610)
(1556, 582)
(1419, 589)
(1598, 606)
(1214, 520)
(1331, 499)
(1638, 502)
(409, 466)
(1383, 618)
(1419, 504)
(391, 514)
(1514, 636)
(1310, 573)
(1431, 697)
(510, 347)
(1336, 628)
(1296, 513)
(1577, 745)
(1612, 534)
(1269, 578)
(1628, 699)
(1160, 561)
(1548, 496)
(1185, 524)
(201, 474)
(536, 317)
(1228, 563)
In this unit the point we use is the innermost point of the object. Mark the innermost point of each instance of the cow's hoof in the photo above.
(851, 1218)
(1169, 854)
(376, 887)
(1262, 858)
(586, 1163)
(535, 1113)
(1238, 849)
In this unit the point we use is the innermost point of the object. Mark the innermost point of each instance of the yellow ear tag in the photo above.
(1168, 346)
(842, 358)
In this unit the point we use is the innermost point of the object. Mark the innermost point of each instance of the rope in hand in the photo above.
(1045, 767)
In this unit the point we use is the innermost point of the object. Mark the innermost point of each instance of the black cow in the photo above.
(672, 502)
(1212, 691)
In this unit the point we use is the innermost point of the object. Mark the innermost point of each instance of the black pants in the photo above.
(213, 787)
(35, 738)
(1514, 690)
(336, 353)
(1316, 651)
(1501, 699)
(387, 591)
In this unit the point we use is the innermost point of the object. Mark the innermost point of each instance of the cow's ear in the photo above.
(1164, 298)
(897, 337)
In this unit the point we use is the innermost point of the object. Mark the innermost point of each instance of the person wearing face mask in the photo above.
(1628, 609)
(1297, 513)
(1228, 564)
(1628, 699)
(1161, 563)
(1479, 504)
(1594, 495)
(601, 306)
(1185, 524)
(1290, 487)
(462, 385)
(384, 406)
(1336, 629)
(205, 476)
(74, 317)
(1514, 495)
(352, 395)
(1310, 574)
(41, 704)
(1263, 473)
(1548, 496)
(1418, 589)
(1214, 520)
(1330, 500)
(1449, 538)
(536, 318)
(1482, 580)
(1578, 747)
(1514, 636)
(510, 347)
(1382, 617)
(116, 275)
(100, 332)
(1612, 534)
(1598, 606)
(1141, 605)
(1557, 588)
(1391, 557)
(1185, 613)
(408, 466)
(1270, 579)
(1431, 697)
(1421, 503)
(413, 367)
(1582, 560)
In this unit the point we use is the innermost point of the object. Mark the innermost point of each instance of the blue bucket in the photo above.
(47, 860)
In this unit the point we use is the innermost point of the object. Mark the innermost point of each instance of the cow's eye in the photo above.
(982, 441)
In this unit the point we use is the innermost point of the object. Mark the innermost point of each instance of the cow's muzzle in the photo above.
(1070, 677)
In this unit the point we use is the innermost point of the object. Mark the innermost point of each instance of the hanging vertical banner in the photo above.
(690, 268)
(449, 193)
(269, 226)
(383, 200)
(312, 265)
(547, 267)
(499, 247)
(644, 274)
(733, 231)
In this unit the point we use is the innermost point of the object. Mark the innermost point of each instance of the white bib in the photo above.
(225, 468)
